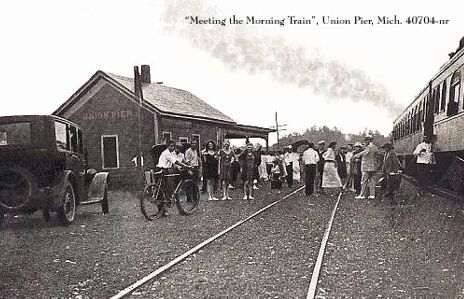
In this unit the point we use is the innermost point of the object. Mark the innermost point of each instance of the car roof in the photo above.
(23, 118)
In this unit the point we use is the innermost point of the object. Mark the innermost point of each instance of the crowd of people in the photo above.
(350, 167)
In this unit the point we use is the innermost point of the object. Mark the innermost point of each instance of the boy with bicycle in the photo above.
(166, 162)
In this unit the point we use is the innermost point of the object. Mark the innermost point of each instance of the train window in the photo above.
(406, 125)
(453, 102)
(421, 113)
(401, 129)
(436, 99)
(443, 96)
(424, 109)
(409, 122)
(429, 104)
(417, 120)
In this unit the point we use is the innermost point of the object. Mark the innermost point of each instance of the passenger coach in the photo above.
(437, 112)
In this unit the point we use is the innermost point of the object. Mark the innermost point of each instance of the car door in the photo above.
(67, 142)
(75, 159)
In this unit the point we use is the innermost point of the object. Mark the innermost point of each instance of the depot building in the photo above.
(122, 118)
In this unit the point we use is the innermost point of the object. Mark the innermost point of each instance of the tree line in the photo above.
(315, 134)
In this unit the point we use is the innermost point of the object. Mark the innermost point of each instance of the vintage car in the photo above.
(43, 167)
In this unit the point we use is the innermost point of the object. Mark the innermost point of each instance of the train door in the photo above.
(429, 113)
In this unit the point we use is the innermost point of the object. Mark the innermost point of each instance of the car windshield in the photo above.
(17, 133)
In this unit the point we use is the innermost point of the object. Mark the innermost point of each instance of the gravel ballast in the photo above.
(378, 249)
(100, 254)
(375, 250)
(271, 256)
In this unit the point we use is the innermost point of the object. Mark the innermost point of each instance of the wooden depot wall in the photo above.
(106, 111)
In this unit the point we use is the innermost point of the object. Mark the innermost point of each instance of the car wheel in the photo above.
(104, 203)
(67, 207)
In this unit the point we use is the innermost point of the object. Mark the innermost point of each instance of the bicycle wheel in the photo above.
(187, 197)
(151, 201)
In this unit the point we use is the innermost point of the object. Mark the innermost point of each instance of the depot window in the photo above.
(166, 137)
(183, 140)
(110, 151)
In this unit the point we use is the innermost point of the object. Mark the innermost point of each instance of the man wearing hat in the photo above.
(348, 164)
(368, 168)
(424, 155)
(341, 162)
(320, 165)
(288, 160)
(390, 167)
(356, 167)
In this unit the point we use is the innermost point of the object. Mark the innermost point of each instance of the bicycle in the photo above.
(154, 199)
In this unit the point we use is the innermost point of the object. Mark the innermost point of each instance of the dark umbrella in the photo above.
(156, 151)
(299, 143)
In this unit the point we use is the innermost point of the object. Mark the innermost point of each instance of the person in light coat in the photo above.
(368, 168)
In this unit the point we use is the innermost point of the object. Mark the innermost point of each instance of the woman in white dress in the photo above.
(330, 178)
(295, 158)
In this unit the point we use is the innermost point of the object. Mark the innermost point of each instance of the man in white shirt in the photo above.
(191, 155)
(310, 160)
(289, 165)
(192, 158)
(349, 171)
(424, 162)
(166, 162)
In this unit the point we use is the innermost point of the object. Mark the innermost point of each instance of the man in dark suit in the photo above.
(320, 166)
(341, 163)
(390, 167)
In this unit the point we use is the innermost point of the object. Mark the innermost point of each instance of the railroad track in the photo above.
(434, 189)
(314, 276)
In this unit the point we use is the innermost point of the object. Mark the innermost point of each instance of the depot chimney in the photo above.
(137, 83)
(145, 75)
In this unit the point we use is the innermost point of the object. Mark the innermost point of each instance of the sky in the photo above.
(349, 76)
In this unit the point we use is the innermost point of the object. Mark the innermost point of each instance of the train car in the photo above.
(437, 112)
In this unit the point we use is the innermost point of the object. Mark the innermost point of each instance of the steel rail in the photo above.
(141, 282)
(317, 267)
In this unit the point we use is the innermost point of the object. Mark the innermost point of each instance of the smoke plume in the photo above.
(242, 49)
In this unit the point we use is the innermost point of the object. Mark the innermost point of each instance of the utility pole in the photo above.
(278, 128)
(139, 95)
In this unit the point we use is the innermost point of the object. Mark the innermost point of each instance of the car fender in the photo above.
(98, 186)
